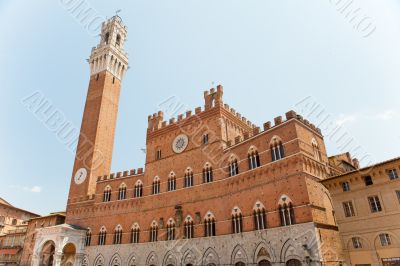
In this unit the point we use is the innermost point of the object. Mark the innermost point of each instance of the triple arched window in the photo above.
(233, 167)
(237, 221)
(171, 229)
(154, 232)
(117, 235)
(122, 192)
(207, 173)
(102, 236)
(188, 227)
(188, 179)
(277, 149)
(107, 194)
(172, 182)
(286, 211)
(135, 232)
(88, 238)
(156, 185)
(138, 191)
(260, 222)
(253, 158)
(209, 225)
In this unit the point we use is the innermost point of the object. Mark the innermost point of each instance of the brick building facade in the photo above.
(216, 189)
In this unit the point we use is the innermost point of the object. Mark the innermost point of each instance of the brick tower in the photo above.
(108, 64)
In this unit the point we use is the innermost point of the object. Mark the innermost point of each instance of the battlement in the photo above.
(267, 126)
(127, 173)
(213, 97)
(239, 116)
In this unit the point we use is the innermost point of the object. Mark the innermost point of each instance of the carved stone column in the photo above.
(57, 259)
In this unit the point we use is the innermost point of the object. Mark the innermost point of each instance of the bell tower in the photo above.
(108, 64)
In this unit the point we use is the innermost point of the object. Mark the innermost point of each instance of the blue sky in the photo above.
(269, 55)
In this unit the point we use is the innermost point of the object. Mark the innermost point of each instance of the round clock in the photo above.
(80, 176)
(180, 143)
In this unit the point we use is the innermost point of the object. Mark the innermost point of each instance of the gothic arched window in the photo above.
(135, 231)
(88, 238)
(156, 185)
(188, 226)
(286, 211)
(237, 221)
(138, 191)
(118, 40)
(209, 225)
(207, 174)
(117, 235)
(102, 236)
(107, 194)
(233, 167)
(154, 232)
(260, 221)
(253, 158)
(171, 229)
(172, 182)
(122, 192)
(188, 178)
(277, 149)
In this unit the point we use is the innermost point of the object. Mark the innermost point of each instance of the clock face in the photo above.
(180, 143)
(80, 176)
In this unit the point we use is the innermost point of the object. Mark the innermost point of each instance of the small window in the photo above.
(368, 180)
(398, 195)
(348, 209)
(113, 80)
(356, 242)
(158, 154)
(393, 174)
(374, 204)
(346, 186)
(118, 41)
(14, 222)
(97, 77)
(205, 139)
(385, 240)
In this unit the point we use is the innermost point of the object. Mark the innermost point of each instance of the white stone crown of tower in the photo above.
(110, 54)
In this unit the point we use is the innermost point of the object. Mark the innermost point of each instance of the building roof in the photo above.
(62, 214)
(6, 203)
(363, 169)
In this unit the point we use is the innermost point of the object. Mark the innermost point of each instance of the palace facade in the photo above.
(216, 189)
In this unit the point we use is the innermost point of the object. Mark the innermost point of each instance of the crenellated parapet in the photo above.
(155, 121)
(213, 97)
(239, 116)
(127, 173)
(267, 126)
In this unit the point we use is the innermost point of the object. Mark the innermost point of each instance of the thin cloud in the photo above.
(33, 189)
(385, 115)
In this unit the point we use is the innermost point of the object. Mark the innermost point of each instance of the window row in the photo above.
(259, 216)
(384, 238)
(374, 203)
(368, 181)
(188, 181)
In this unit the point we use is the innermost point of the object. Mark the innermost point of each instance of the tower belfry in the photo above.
(108, 64)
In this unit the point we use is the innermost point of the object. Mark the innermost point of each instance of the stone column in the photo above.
(57, 259)
(35, 260)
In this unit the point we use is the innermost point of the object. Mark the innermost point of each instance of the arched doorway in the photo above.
(264, 263)
(211, 264)
(240, 264)
(68, 258)
(47, 254)
(293, 262)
